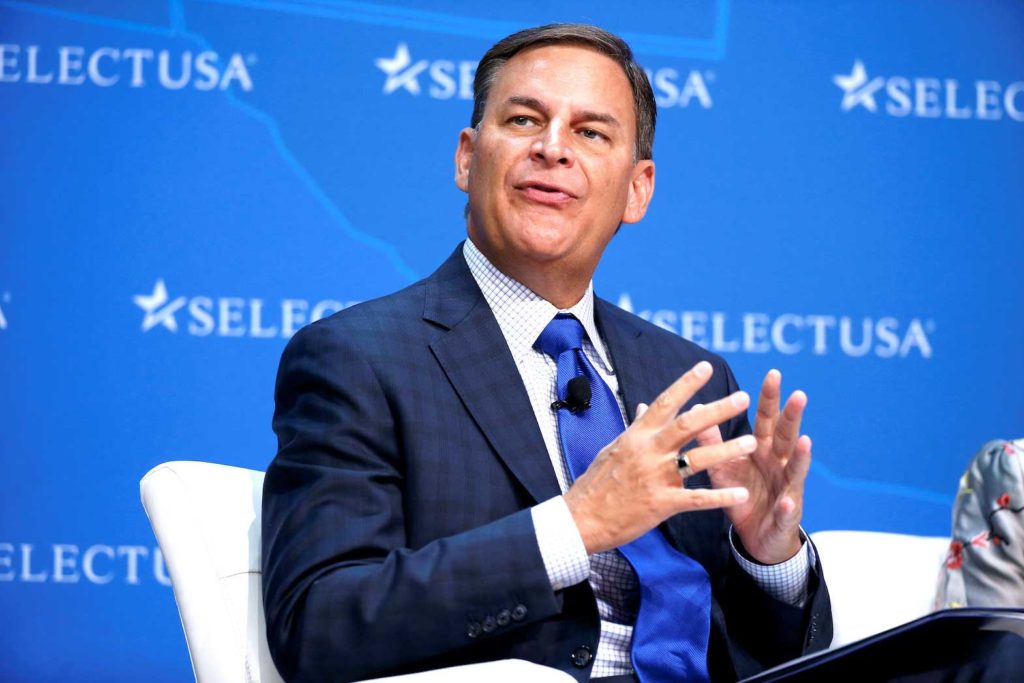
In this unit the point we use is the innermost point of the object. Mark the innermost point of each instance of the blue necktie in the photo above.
(670, 638)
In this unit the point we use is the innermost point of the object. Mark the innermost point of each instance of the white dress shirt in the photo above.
(522, 315)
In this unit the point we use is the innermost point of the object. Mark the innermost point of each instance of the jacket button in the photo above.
(504, 616)
(812, 631)
(474, 630)
(581, 656)
(489, 624)
(519, 612)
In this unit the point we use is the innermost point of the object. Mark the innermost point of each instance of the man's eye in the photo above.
(520, 120)
(591, 134)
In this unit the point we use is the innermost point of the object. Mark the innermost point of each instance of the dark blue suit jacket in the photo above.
(397, 534)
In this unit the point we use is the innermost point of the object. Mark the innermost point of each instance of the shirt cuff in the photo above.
(561, 547)
(787, 581)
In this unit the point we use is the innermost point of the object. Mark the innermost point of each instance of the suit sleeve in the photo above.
(763, 631)
(345, 597)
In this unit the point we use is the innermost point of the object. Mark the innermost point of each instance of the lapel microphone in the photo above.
(577, 397)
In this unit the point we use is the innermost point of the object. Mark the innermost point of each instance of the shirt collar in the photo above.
(522, 314)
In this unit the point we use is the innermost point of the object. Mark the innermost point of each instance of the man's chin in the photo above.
(548, 246)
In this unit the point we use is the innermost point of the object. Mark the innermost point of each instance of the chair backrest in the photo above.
(207, 520)
(878, 580)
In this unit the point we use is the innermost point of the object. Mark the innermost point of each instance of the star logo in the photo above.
(159, 311)
(401, 71)
(857, 89)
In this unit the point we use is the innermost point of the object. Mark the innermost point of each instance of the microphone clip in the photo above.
(577, 397)
(571, 405)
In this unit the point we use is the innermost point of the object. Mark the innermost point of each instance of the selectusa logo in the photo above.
(158, 310)
(447, 79)
(136, 67)
(231, 316)
(930, 98)
(675, 89)
(795, 333)
(72, 563)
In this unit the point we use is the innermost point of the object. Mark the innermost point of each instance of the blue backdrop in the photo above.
(188, 182)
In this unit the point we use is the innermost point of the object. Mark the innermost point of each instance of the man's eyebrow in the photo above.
(585, 115)
(523, 101)
(598, 117)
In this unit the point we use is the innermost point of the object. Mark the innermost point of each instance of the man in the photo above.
(413, 516)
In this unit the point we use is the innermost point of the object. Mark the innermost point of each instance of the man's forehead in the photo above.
(549, 73)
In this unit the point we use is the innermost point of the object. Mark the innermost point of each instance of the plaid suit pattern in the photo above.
(397, 532)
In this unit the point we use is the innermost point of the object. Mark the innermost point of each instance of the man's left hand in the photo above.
(768, 523)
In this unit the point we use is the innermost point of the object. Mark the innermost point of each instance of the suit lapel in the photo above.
(478, 363)
(625, 346)
(641, 372)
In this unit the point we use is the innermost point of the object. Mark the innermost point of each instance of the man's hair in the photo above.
(584, 35)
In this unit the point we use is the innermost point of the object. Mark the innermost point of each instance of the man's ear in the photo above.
(641, 189)
(464, 157)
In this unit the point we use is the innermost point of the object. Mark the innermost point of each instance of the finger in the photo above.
(685, 427)
(798, 467)
(706, 457)
(709, 436)
(686, 500)
(787, 428)
(789, 505)
(786, 513)
(641, 408)
(768, 405)
(665, 407)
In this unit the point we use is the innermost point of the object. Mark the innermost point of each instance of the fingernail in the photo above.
(774, 374)
(702, 369)
(747, 443)
(740, 495)
(740, 398)
(697, 407)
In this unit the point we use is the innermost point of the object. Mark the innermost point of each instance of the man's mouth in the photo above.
(545, 193)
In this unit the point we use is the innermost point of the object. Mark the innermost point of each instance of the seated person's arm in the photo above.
(345, 595)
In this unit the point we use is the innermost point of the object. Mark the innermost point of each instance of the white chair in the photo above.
(207, 520)
(878, 580)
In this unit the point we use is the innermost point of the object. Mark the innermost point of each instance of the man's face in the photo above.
(550, 173)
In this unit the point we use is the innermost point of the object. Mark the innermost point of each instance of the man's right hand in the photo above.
(634, 483)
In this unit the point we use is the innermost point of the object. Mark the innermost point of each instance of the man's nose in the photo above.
(554, 147)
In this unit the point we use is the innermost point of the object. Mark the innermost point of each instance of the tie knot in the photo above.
(563, 333)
